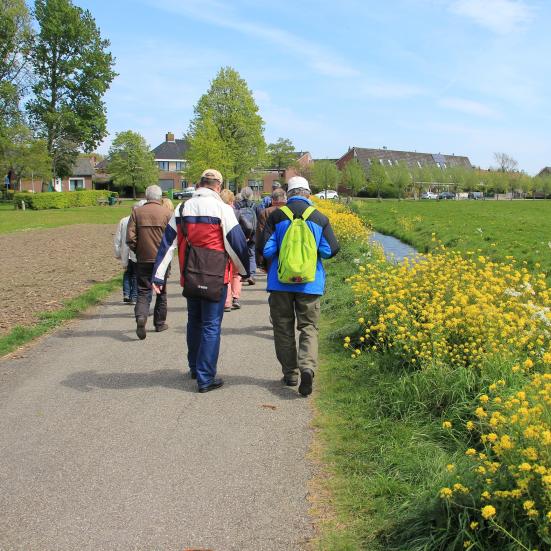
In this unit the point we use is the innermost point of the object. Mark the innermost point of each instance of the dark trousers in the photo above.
(144, 274)
(286, 309)
(204, 327)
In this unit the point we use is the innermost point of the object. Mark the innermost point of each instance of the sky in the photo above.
(464, 77)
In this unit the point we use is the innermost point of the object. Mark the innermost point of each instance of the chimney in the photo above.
(170, 137)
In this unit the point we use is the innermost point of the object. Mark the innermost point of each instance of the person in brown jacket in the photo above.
(145, 231)
(279, 198)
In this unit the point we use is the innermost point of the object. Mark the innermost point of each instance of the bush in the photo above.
(61, 200)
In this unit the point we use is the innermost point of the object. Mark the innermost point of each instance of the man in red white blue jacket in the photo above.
(212, 224)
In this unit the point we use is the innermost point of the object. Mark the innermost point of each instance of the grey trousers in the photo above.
(285, 308)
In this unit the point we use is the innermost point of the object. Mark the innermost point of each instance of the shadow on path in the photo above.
(87, 381)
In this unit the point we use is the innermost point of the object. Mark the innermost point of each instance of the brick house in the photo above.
(261, 180)
(80, 178)
(170, 157)
(412, 159)
(546, 171)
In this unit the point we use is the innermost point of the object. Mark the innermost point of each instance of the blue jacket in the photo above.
(274, 230)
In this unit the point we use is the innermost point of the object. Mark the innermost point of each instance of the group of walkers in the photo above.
(222, 240)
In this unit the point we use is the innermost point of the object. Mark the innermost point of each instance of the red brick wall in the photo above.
(345, 158)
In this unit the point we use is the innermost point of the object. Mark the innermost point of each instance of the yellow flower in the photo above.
(470, 451)
(528, 363)
(480, 413)
(446, 493)
(361, 320)
(467, 544)
(346, 339)
(525, 467)
(488, 511)
(528, 504)
(473, 525)
(484, 398)
(470, 425)
(450, 467)
(447, 425)
(486, 495)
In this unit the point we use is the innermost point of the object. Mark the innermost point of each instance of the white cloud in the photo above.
(500, 16)
(217, 14)
(469, 107)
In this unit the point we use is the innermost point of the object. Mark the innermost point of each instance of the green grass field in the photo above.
(14, 220)
(521, 229)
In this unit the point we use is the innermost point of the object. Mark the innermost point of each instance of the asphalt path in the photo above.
(106, 444)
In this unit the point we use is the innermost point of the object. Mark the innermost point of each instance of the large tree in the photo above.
(228, 115)
(281, 155)
(325, 175)
(131, 162)
(400, 179)
(505, 163)
(73, 70)
(378, 177)
(353, 176)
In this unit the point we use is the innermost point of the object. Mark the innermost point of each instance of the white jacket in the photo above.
(122, 251)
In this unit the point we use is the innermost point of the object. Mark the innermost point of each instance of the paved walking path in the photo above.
(106, 445)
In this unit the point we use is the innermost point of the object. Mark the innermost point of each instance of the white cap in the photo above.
(297, 182)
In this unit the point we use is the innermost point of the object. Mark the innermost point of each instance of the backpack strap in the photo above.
(289, 213)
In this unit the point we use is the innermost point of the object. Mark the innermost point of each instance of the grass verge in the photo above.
(21, 335)
(387, 464)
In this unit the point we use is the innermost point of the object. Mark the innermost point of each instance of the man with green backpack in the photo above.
(295, 239)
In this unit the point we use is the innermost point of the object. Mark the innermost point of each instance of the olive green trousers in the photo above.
(286, 309)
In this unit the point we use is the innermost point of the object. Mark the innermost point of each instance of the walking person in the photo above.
(246, 216)
(145, 231)
(235, 284)
(296, 280)
(204, 226)
(278, 199)
(128, 261)
(267, 201)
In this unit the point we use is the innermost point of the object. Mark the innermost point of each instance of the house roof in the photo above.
(411, 158)
(83, 167)
(175, 150)
(545, 170)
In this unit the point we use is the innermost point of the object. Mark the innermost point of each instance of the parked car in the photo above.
(429, 195)
(327, 194)
(184, 193)
(476, 195)
(446, 195)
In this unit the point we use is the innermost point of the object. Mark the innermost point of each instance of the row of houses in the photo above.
(170, 157)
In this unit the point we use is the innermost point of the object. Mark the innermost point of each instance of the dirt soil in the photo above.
(41, 268)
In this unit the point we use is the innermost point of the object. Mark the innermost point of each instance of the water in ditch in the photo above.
(395, 250)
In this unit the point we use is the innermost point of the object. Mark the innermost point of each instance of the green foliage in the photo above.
(226, 130)
(131, 162)
(378, 179)
(400, 179)
(281, 154)
(61, 200)
(73, 70)
(353, 176)
(325, 175)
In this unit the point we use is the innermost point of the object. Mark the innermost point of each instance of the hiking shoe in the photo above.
(306, 378)
(217, 383)
(193, 374)
(251, 281)
(140, 327)
(126, 299)
(235, 304)
(227, 308)
(161, 328)
(290, 381)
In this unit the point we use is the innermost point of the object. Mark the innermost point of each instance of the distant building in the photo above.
(170, 157)
(412, 159)
(545, 171)
(261, 180)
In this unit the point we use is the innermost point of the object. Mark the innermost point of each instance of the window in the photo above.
(180, 165)
(76, 183)
(163, 165)
(255, 184)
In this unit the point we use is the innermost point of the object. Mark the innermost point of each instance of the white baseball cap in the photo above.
(298, 182)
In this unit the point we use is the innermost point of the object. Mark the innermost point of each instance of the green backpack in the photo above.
(298, 255)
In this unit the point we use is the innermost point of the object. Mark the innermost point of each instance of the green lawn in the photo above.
(499, 228)
(13, 220)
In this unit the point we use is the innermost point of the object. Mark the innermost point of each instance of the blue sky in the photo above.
(469, 77)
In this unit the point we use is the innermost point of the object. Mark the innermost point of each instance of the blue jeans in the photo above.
(252, 257)
(204, 327)
(129, 282)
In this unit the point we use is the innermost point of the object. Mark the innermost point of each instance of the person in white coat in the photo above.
(128, 261)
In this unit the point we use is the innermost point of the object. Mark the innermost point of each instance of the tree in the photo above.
(15, 41)
(378, 177)
(281, 155)
(400, 179)
(25, 156)
(131, 162)
(353, 176)
(73, 70)
(228, 115)
(325, 175)
(505, 163)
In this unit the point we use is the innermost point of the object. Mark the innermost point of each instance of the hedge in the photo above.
(61, 199)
